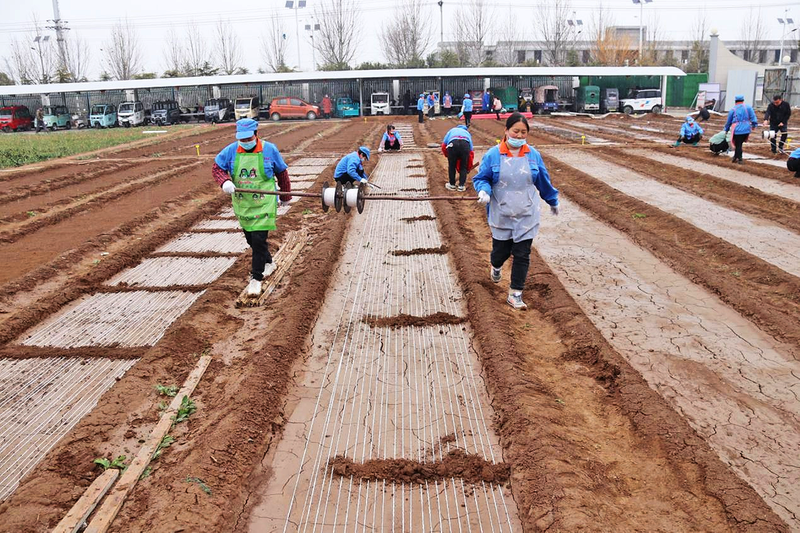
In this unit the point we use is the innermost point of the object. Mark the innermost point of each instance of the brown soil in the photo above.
(420, 218)
(404, 320)
(422, 251)
(589, 443)
(456, 464)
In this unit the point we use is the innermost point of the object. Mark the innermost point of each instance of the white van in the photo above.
(379, 104)
(247, 107)
(131, 114)
(642, 101)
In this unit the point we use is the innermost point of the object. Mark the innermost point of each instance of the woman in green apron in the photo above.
(510, 182)
(250, 163)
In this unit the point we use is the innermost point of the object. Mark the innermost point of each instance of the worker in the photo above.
(447, 103)
(252, 163)
(326, 106)
(742, 119)
(777, 118)
(793, 163)
(510, 181)
(431, 105)
(457, 147)
(720, 142)
(406, 101)
(391, 140)
(497, 106)
(350, 169)
(39, 119)
(420, 108)
(466, 109)
(691, 132)
(486, 101)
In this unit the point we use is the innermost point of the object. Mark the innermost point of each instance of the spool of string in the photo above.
(328, 196)
(351, 197)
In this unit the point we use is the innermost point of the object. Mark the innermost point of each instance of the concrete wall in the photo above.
(721, 60)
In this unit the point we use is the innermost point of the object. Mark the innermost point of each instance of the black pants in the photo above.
(261, 256)
(738, 143)
(420, 116)
(793, 164)
(502, 250)
(447, 111)
(387, 145)
(719, 147)
(703, 114)
(783, 129)
(497, 113)
(691, 139)
(467, 117)
(459, 151)
(431, 111)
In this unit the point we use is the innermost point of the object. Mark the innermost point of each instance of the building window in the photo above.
(537, 56)
(762, 56)
(746, 55)
(793, 56)
(777, 56)
(587, 56)
(684, 55)
(520, 56)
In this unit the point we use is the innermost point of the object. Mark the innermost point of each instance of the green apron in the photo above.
(256, 212)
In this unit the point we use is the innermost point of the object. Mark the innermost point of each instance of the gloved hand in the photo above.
(483, 197)
(228, 187)
(363, 180)
(554, 210)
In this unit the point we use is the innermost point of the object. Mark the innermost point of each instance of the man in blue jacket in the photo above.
(466, 109)
(486, 102)
(742, 119)
(457, 147)
(420, 108)
(350, 168)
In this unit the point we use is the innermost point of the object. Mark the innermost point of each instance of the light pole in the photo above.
(577, 27)
(641, 22)
(784, 21)
(39, 40)
(295, 5)
(312, 28)
(441, 24)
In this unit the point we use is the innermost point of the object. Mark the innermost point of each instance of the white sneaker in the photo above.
(461, 188)
(495, 274)
(254, 288)
(515, 300)
(269, 268)
(449, 187)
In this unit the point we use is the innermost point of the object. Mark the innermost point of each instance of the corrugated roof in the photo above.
(337, 75)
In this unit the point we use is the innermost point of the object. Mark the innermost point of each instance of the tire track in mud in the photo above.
(588, 440)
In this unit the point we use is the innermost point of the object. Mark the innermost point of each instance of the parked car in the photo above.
(587, 98)
(525, 99)
(192, 112)
(290, 107)
(609, 100)
(642, 101)
(56, 116)
(379, 104)
(545, 99)
(247, 107)
(132, 114)
(103, 116)
(15, 118)
(218, 110)
(79, 121)
(346, 107)
(166, 112)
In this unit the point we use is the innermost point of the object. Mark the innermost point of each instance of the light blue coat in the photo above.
(687, 130)
(489, 174)
(349, 165)
(467, 104)
(459, 132)
(744, 117)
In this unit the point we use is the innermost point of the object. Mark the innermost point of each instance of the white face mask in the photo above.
(515, 143)
(248, 145)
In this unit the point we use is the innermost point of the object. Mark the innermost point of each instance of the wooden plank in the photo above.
(113, 503)
(76, 516)
(283, 259)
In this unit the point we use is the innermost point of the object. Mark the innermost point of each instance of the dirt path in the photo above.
(589, 441)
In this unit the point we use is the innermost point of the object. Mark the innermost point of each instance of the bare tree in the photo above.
(652, 41)
(407, 36)
(196, 51)
(554, 30)
(508, 42)
(78, 56)
(473, 24)
(123, 58)
(753, 33)
(173, 55)
(273, 46)
(698, 56)
(228, 51)
(337, 33)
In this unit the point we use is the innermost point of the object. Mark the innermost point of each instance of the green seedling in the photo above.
(205, 488)
(167, 390)
(639, 215)
(307, 211)
(186, 410)
(559, 400)
(146, 473)
(118, 463)
(162, 406)
(736, 273)
(32, 213)
(166, 442)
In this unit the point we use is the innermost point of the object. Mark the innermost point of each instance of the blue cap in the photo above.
(689, 119)
(463, 126)
(245, 128)
(364, 150)
(738, 98)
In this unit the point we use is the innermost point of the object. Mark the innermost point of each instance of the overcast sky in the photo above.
(92, 20)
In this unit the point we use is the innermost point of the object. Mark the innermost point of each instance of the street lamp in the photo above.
(577, 27)
(39, 39)
(312, 28)
(641, 21)
(784, 21)
(441, 24)
(295, 5)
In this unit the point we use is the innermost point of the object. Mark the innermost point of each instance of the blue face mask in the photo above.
(515, 143)
(248, 145)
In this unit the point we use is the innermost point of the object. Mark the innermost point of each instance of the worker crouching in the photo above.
(350, 169)
(511, 179)
(391, 140)
(251, 163)
(691, 133)
(793, 163)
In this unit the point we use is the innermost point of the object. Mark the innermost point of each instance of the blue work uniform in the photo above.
(349, 169)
